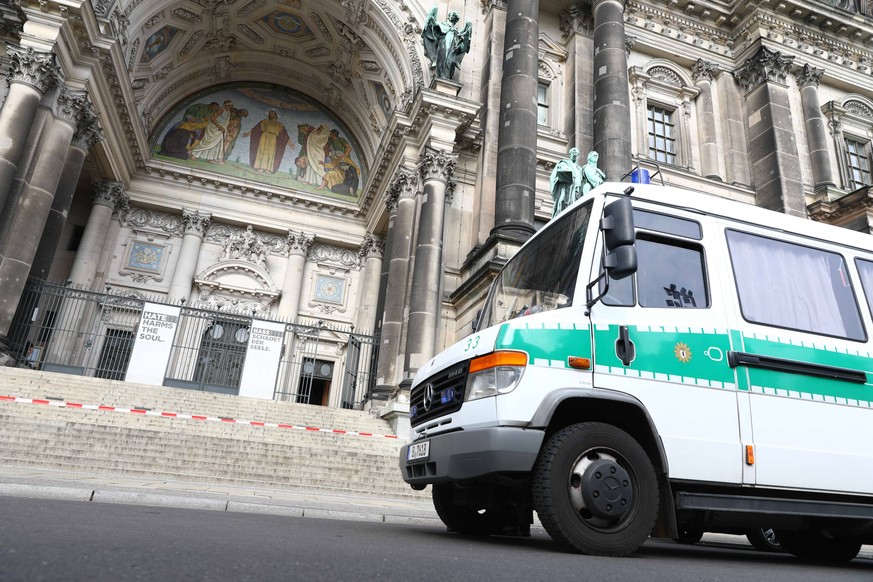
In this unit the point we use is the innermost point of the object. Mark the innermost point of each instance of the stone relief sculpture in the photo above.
(246, 246)
(445, 45)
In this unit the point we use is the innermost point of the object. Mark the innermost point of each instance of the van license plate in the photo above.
(418, 451)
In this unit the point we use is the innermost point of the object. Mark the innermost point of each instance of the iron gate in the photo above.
(63, 329)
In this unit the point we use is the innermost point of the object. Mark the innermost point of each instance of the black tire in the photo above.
(464, 520)
(595, 490)
(764, 539)
(815, 545)
(689, 536)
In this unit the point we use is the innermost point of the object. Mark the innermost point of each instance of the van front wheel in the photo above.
(595, 490)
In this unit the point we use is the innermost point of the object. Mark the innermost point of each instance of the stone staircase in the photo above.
(144, 439)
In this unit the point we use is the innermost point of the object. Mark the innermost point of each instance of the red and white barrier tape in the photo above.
(145, 412)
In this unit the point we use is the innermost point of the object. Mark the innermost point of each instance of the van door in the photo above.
(661, 336)
(802, 357)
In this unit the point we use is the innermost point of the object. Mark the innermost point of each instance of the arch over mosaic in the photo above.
(266, 133)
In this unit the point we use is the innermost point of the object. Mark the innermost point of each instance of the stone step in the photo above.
(62, 387)
(131, 444)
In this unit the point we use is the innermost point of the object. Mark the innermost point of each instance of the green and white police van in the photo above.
(654, 362)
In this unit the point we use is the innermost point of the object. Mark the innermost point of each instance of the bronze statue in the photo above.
(565, 182)
(592, 176)
(445, 45)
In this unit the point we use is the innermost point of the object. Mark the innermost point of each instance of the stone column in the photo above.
(401, 208)
(436, 169)
(87, 134)
(736, 160)
(195, 230)
(297, 246)
(772, 141)
(372, 250)
(30, 75)
(108, 197)
(703, 74)
(816, 134)
(34, 205)
(517, 133)
(612, 127)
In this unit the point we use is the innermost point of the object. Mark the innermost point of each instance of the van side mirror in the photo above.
(618, 224)
(619, 236)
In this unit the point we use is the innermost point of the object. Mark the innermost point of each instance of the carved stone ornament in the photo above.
(246, 246)
(298, 243)
(858, 108)
(111, 194)
(808, 76)
(404, 185)
(70, 105)
(704, 70)
(764, 66)
(373, 246)
(32, 68)
(436, 165)
(88, 130)
(237, 286)
(332, 255)
(152, 219)
(577, 19)
(195, 223)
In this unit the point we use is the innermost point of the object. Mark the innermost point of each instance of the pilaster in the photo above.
(776, 171)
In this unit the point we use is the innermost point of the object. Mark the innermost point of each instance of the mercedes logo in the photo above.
(428, 397)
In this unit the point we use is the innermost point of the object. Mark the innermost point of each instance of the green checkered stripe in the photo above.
(679, 355)
(695, 356)
(809, 387)
(548, 345)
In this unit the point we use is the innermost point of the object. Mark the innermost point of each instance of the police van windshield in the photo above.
(541, 276)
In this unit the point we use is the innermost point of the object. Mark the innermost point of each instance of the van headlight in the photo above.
(496, 373)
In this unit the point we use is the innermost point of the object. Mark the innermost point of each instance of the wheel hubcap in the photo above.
(600, 488)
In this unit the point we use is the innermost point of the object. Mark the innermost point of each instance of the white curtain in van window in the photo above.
(785, 285)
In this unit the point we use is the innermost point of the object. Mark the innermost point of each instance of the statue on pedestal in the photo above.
(445, 45)
(592, 176)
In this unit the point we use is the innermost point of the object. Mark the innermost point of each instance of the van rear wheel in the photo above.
(595, 490)
(816, 545)
(462, 519)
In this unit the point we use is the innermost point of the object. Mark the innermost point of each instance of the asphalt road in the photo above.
(57, 540)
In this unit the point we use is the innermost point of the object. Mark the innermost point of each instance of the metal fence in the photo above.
(63, 329)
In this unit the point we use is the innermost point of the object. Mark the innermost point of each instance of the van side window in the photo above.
(793, 286)
(865, 268)
(670, 274)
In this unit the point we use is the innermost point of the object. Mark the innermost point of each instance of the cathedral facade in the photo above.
(306, 197)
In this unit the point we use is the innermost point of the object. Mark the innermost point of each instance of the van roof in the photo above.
(712, 205)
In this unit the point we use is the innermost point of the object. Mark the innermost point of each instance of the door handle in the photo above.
(624, 347)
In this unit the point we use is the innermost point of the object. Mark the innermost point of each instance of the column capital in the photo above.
(704, 71)
(195, 223)
(763, 66)
(111, 194)
(33, 68)
(70, 105)
(373, 246)
(88, 130)
(437, 165)
(577, 19)
(404, 185)
(489, 4)
(808, 76)
(298, 243)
